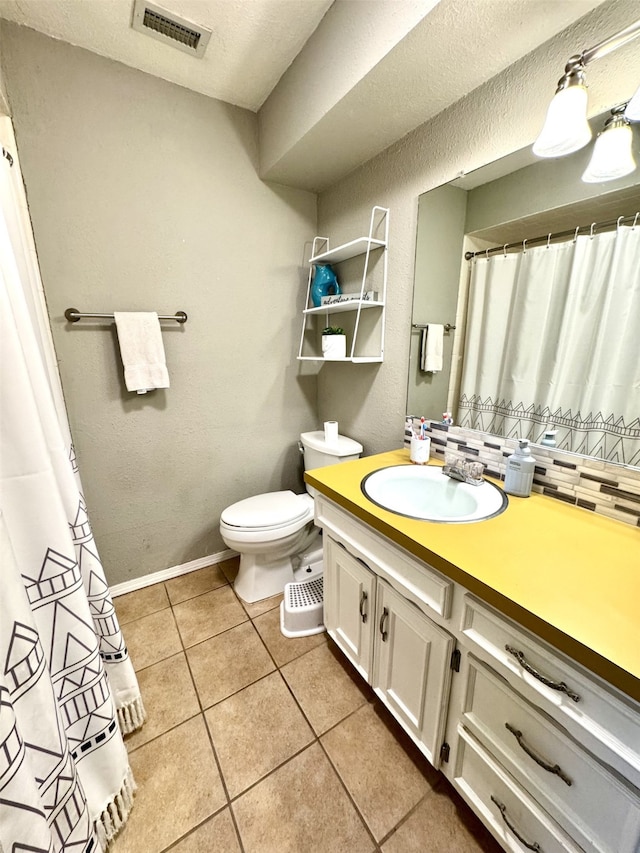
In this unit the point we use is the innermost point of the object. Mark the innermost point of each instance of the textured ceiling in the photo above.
(335, 83)
(253, 41)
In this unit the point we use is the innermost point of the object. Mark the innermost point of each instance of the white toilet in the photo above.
(274, 533)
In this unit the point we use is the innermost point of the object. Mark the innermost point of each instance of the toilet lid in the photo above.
(274, 509)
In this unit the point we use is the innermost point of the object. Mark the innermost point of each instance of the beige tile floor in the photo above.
(255, 743)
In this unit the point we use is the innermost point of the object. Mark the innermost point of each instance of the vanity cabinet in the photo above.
(566, 740)
(592, 805)
(402, 653)
(362, 316)
(546, 753)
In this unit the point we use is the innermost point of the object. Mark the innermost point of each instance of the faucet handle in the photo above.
(462, 469)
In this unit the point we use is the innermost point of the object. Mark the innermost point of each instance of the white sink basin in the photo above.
(424, 492)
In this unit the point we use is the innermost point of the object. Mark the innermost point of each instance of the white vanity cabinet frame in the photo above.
(384, 630)
(362, 246)
(598, 810)
(596, 714)
(598, 736)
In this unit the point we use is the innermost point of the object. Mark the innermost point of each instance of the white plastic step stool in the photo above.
(301, 611)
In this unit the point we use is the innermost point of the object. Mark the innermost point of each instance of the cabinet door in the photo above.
(349, 589)
(412, 671)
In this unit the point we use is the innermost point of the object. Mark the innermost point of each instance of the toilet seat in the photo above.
(269, 516)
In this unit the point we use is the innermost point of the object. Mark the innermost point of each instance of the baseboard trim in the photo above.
(172, 572)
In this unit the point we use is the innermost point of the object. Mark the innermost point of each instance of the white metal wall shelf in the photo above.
(348, 250)
(369, 247)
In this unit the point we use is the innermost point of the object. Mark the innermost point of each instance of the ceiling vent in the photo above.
(169, 28)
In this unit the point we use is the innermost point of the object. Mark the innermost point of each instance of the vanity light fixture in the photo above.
(566, 128)
(612, 155)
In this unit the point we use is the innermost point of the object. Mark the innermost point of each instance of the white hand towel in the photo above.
(431, 348)
(142, 350)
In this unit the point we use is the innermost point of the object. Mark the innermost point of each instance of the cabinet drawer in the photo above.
(514, 818)
(412, 578)
(593, 806)
(606, 722)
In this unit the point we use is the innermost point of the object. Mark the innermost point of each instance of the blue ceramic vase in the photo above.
(324, 283)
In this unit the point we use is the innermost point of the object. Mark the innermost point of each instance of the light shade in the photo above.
(566, 128)
(612, 156)
(632, 112)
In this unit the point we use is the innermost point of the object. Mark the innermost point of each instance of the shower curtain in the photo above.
(552, 342)
(68, 691)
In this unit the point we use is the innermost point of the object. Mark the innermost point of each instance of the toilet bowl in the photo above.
(267, 531)
(274, 532)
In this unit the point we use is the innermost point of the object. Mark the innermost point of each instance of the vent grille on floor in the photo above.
(169, 28)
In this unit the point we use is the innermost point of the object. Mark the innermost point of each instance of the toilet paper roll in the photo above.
(331, 432)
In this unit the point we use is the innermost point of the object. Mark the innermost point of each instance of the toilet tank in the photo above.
(319, 452)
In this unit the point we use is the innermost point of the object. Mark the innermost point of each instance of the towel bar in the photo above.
(447, 326)
(73, 315)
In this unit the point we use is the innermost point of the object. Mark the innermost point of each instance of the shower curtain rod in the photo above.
(545, 238)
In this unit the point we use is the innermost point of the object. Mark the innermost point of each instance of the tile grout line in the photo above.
(210, 737)
(193, 829)
(322, 747)
(316, 738)
(406, 817)
(198, 714)
(349, 796)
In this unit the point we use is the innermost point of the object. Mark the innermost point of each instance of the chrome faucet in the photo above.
(463, 470)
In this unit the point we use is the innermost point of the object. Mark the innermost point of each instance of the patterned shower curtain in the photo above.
(552, 341)
(68, 691)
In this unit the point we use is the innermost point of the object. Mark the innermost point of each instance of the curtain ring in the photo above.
(635, 219)
(620, 218)
(548, 240)
(524, 247)
(593, 225)
(575, 236)
(486, 254)
(504, 249)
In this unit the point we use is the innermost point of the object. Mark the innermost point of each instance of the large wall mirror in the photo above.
(543, 335)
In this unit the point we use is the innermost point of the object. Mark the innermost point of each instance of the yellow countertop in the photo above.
(567, 574)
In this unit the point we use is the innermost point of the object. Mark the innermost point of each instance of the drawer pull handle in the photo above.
(383, 620)
(554, 685)
(550, 768)
(363, 601)
(503, 811)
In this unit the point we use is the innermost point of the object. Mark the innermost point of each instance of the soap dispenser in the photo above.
(518, 477)
(549, 438)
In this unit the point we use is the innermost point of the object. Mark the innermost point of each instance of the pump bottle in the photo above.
(518, 477)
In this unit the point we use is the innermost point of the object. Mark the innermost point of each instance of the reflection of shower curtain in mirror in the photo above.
(553, 338)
